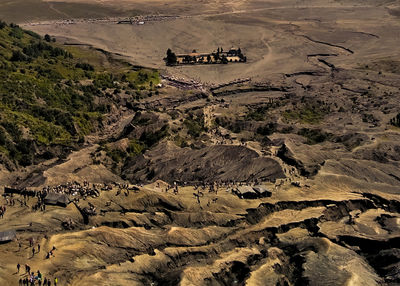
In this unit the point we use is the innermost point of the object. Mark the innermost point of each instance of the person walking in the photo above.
(18, 267)
(55, 281)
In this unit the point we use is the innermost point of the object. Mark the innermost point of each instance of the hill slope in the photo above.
(50, 98)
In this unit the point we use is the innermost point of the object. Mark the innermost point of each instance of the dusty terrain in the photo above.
(312, 126)
(276, 36)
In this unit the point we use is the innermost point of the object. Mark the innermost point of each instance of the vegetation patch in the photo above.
(195, 128)
(51, 96)
(308, 114)
(314, 136)
(261, 112)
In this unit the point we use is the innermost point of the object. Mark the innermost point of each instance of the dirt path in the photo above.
(268, 54)
(51, 6)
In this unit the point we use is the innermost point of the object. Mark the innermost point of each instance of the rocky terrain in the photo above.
(284, 170)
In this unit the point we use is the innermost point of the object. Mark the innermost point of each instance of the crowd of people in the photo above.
(211, 187)
(32, 278)
(74, 189)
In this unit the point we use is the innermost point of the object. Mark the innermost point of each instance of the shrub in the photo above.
(18, 56)
(85, 66)
(267, 129)
(314, 136)
(152, 138)
(47, 38)
(195, 128)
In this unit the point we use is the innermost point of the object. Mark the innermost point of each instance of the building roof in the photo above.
(262, 191)
(57, 199)
(193, 55)
(8, 190)
(7, 235)
(246, 190)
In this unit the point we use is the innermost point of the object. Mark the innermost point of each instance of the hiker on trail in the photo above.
(48, 282)
(176, 191)
(55, 281)
(18, 267)
(197, 197)
(38, 248)
(33, 251)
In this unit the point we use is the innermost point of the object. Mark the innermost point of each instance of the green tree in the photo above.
(224, 60)
(171, 58)
(47, 38)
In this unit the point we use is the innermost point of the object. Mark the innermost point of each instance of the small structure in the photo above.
(245, 192)
(248, 192)
(262, 191)
(55, 199)
(216, 57)
(9, 191)
(7, 236)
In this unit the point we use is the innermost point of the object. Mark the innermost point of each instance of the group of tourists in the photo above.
(32, 279)
(74, 189)
(174, 188)
(10, 201)
(212, 187)
(40, 204)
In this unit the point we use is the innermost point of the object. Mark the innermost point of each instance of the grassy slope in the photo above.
(43, 101)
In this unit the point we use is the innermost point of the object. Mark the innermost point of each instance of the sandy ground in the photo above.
(275, 38)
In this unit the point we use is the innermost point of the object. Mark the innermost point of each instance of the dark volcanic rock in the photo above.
(213, 163)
